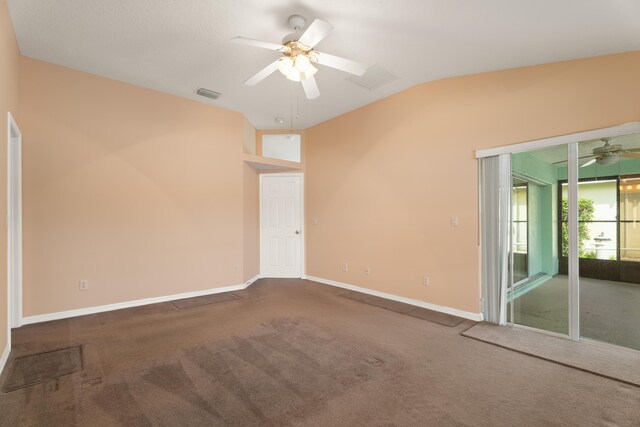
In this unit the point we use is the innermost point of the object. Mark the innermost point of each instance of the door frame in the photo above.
(302, 219)
(14, 224)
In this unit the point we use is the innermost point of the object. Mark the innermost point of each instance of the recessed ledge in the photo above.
(266, 163)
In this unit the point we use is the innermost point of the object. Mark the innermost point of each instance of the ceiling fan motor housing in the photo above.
(297, 22)
(608, 159)
(607, 148)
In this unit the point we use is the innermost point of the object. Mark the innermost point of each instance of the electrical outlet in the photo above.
(454, 221)
(235, 267)
(367, 271)
(425, 280)
(83, 285)
(345, 267)
(315, 220)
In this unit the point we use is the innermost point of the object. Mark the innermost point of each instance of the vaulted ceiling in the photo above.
(178, 46)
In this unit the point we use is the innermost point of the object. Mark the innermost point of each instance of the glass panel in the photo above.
(540, 299)
(629, 218)
(520, 230)
(597, 218)
(281, 146)
(608, 196)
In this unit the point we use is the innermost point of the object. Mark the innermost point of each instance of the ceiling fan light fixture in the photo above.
(285, 64)
(294, 74)
(302, 63)
(311, 71)
(297, 63)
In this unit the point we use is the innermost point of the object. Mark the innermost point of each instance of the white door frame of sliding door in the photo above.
(572, 226)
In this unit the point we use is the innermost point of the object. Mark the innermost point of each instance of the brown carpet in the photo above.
(292, 352)
(204, 300)
(436, 317)
(621, 365)
(408, 309)
(398, 307)
(38, 368)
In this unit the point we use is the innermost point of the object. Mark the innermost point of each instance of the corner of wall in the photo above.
(9, 59)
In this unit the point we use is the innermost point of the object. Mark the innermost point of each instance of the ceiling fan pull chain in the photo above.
(291, 106)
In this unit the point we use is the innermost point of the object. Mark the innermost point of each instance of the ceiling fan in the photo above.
(299, 56)
(608, 154)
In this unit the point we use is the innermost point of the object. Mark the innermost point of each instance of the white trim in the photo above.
(14, 275)
(573, 239)
(250, 281)
(302, 220)
(5, 356)
(442, 309)
(128, 304)
(608, 132)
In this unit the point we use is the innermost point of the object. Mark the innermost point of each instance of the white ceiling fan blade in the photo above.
(579, 158)
(311, 88)
(262, 74)
(257, 43)
(343, 64)
(317, 31)
(590, 162)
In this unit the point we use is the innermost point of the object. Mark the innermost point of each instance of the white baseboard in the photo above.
(250, 281)
(128, 304)
(5, 356)
(448, 310)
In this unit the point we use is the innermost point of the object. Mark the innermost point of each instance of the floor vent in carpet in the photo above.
(38, 368)
(204, 300)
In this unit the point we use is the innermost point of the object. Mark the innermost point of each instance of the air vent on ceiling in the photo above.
(208, 93)
(375, 77)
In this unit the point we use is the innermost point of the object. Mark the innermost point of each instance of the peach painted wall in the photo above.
(9, 58)
(251, 208)
(138, 192)
(248, 137)
(385, 179)
(251, 223)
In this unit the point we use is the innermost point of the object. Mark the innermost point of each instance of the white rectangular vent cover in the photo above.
(208, 93)
(375, 77)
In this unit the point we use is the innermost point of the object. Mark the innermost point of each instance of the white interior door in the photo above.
(281, 225)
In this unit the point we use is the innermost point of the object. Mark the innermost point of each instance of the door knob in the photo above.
(297, 231)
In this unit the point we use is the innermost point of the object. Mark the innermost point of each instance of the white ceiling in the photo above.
(177, 46)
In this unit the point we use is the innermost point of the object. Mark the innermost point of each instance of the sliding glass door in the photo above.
(609, 232)
(538, 296)
(575, 244)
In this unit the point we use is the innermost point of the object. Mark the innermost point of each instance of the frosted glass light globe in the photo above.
(302, 63)
(285, 65)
